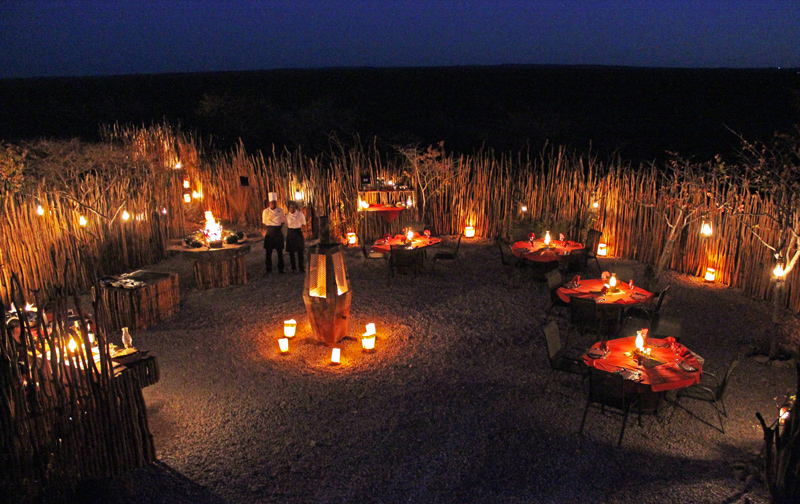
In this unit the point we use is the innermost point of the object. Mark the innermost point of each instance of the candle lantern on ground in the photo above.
(602, 249)
(711, 274)
(469, 232)
(326, 292)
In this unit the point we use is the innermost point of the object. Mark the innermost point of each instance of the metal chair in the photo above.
(714, 395)
(592, 241)
(560, 360)
(370, 254)
(583, 314)
(404, 259)
(648, 313)
(607, 391)
(447, 254)
(554, 281)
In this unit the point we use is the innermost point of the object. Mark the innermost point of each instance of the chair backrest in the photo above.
(401, 257)
(416, 226)
(723, 384)
(623, 273)
(503, 246)
(583, 312)
(608, 389)
(363, 246)
(592, 241)
(553, 278)
(609, 317)
(660, 299)
(458, 245)
(553, 338)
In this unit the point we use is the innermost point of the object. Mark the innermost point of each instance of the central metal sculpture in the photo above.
(327, 288)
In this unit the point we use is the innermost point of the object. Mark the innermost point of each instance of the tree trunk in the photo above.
(665, 258)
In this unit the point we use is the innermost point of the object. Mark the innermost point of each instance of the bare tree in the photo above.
(431, 171)
(687, 194)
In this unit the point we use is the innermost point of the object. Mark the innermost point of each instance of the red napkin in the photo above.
(532, 236)
(604, 290)
(576, 279)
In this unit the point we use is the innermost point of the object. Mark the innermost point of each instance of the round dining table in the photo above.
(669, 365)
(592, 288)
(417, 242)
(537, 251)
(388, 212)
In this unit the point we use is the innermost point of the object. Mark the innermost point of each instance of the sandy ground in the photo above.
(449, 408)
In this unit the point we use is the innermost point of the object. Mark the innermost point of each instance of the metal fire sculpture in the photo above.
(327, 289)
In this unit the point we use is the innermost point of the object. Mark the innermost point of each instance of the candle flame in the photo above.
(82, 221)
(547, 238)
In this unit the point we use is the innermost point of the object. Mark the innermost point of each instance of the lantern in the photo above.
(298, 195)
(336, 355)
(326, 292)
(39, 210)
(187, 198)
(409, 202)
(289, 327)
(164, 210)
(125, 215)
(595, 205)
(711, 274)
(368, 338)
(706, 229)
(197, 195)
(524, 208)
(547, 238)
(178, 165)
(639, 341)
(602, 249)
(410, 235)
(72, 345)
(612, 282)
(283, 344)
(779, 272)
(469, 232)
(82, 221)
(186, 184)
(352, 239)
(363, 204)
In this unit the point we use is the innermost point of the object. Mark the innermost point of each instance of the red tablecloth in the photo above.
(389, 213)
(667, 376)
(536, 251)
(590, 288)
(418, 242)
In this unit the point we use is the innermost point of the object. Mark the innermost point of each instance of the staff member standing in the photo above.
(295, 241)
(273, 217)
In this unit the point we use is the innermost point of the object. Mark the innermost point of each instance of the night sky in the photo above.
(72, 38)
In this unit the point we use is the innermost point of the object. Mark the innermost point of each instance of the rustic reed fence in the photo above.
(64, 417)
(487, 191)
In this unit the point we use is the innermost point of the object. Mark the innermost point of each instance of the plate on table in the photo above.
(638, 295)
(596, 353)
(686, 367)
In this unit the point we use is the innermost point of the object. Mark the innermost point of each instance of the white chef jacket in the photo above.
(295, 220)
(272, 217)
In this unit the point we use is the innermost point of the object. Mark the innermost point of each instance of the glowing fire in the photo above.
(213, 230)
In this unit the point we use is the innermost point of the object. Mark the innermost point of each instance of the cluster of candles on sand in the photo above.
(290, 328)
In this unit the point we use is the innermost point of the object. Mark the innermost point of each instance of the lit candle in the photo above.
(711, 274)
(178, 165)
(336, 355)
(72, 345)
(595, 205)
(82, 220)
(187, 198)
(186, 183)
(469, 231)
(409, 202)
(363, 204)
(612, 282)
(639, 340)
(289, 327)
(524, 208)
(779, 271)
(547, 238)
(39, 210)
(298, 195)
(410, 235)
(283, 343)
(125, 215)
(164, 210)
(368, 338)
(602, 249)
(705, 229)
(352, 239)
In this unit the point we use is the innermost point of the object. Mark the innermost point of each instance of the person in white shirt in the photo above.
(273, 217)
(295, 241)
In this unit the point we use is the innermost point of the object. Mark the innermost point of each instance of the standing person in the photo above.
(273, 217)
(295, 241)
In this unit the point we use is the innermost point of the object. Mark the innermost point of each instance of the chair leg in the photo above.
(624, 423)
(583, 420)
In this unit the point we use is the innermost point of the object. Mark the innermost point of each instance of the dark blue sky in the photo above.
(59, 38)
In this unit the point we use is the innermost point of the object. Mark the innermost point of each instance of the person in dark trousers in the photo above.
(295, 241)
(273, 217)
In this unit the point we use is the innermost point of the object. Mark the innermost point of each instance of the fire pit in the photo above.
(218, 255)
(327, 290)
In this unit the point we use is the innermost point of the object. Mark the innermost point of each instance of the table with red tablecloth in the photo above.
(669, 366)
(388, 212)
(417, 242)
(537, 251)
(592, 288)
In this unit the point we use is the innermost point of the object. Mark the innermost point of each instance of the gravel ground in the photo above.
(449, 408)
